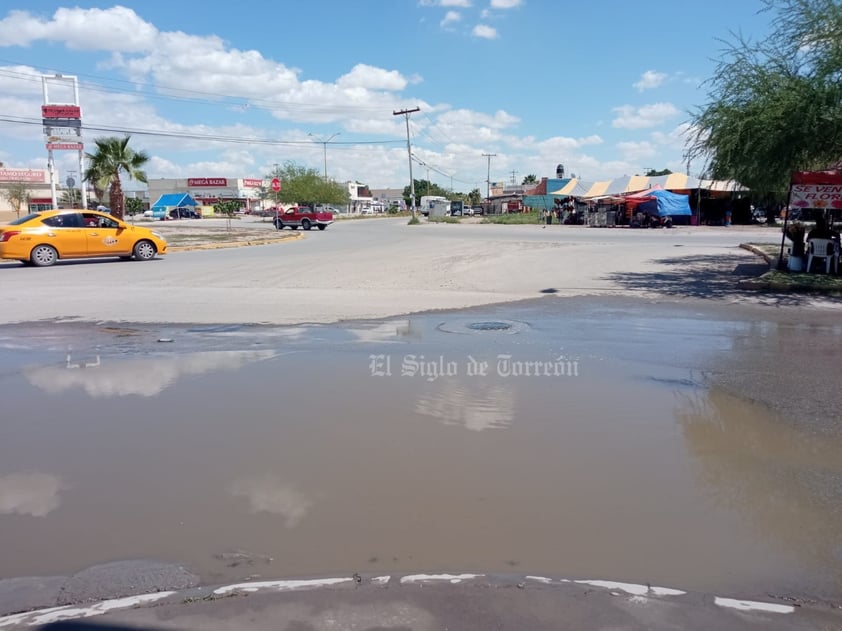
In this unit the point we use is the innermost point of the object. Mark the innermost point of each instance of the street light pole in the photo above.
(324, 145)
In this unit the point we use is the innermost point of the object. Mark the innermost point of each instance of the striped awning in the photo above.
(635, 183)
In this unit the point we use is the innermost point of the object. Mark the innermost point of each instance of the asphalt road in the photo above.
(372, 269)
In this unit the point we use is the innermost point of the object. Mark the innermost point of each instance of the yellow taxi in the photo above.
(43, 238)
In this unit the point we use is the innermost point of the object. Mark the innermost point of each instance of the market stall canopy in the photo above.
(635, 183)
(174, 200)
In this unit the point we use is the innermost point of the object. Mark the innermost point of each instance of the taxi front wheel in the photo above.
(43, 255)
(144, 251)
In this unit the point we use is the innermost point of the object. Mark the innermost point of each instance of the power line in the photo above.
(196, 136)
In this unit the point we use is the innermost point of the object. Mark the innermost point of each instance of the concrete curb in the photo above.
(233, 244)
(764, 255)
(711, 608)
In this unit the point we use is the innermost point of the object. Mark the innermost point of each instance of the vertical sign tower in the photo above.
(61, 116)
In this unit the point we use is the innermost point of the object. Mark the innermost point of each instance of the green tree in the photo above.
(227, 208)
(17, 194)
(426, 187)
(134, 206)
(775, 106)
(475, 197)
(529, 179)
(305, 186)
(113, 158)
(656, 172)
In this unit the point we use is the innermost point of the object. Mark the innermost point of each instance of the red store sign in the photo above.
(252, 182)
(61, 111)
(207, 181)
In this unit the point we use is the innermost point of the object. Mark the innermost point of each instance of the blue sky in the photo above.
(229, 89)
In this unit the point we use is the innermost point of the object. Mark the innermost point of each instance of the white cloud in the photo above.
(462, 4)
(636, 151)
(371, 78)
(117, 28)
(451, 17)
(630, 117)
(484, 31)
(675, 138)
(505, 4)
(649, 80)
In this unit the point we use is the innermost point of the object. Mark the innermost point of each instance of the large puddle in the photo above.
(505, 440)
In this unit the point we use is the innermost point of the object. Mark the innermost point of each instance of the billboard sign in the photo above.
(65, 146)
(61, 111)
(207, 181)
(62, 122)
(23, 175)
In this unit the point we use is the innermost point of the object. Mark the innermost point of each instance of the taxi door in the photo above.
(65, 233)
(105, 236)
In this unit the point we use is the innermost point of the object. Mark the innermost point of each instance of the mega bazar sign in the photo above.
(816, 196)
(207, 181)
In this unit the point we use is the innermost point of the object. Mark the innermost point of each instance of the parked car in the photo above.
(41, 239)
(184, 213)
(304, 218)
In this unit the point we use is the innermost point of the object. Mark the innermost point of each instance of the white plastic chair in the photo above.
(826, 249)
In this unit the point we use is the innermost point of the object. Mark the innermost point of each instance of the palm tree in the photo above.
(113, 157)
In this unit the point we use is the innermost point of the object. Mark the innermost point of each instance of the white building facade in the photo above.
(208, 191)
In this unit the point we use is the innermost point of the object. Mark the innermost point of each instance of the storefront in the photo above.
(208, 191)
(34, 184)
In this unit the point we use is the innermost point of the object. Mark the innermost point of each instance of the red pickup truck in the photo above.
(302, 217)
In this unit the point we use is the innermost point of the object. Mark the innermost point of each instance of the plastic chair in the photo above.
(826, 249)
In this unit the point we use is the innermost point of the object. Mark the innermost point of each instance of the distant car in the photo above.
(184, 213)
(41, 239)
(304, 218)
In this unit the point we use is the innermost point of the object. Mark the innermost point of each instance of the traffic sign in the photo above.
(276, 184)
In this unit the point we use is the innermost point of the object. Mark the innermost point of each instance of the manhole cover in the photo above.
(490, 326)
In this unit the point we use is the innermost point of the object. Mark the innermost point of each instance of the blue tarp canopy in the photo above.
(666, 203)
(174, 200)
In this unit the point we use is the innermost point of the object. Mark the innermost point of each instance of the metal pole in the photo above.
(488, 176)
(82, 192)
(51, 166)
(406, 114)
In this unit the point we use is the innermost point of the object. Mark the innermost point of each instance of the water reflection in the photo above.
(33, 494)
(785, 482)
(269, 494)
(476, 405)
(390, 331)
(146, 377)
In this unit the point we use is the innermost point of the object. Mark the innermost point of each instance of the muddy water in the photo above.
(506, 440)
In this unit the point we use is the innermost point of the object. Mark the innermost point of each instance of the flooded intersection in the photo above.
(583, 438)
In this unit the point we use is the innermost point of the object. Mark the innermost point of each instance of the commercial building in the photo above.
(35, 183)
(208, 191)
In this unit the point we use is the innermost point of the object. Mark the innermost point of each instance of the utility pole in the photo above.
(514, 173)
(324, 144)
(488, 177)
(406, 113)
